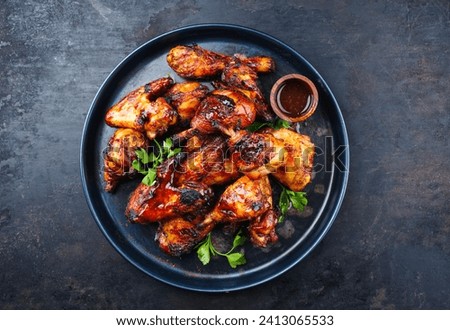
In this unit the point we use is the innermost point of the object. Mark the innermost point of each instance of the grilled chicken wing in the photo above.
(179, 235)
(224, 111)
(284, 153)
(243, 200)
(185, 97)
(261, 64)
(197, 62)
(240, 75)
(262, 230)
(119, 155)
(143, 109)
(256, 154)
(207, 164)
(298, 161)
(164, 201)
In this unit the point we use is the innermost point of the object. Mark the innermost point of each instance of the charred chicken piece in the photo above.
(240, 75)
(263, 111)
(163, 200)
(195, 61)
(119, 155)
(185, 97)
(198, 63)
(207, 164)
(261, 64)
(295, 173)
(262, 230)
(179, 235)
(224, 111)
(256, 154)
(243, 200)
(284, 153)
(143, 109)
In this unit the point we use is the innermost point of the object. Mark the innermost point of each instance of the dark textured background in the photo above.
(388, 65)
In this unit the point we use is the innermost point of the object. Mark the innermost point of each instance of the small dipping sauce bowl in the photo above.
(294, 97)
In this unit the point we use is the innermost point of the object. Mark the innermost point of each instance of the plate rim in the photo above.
(342, 186)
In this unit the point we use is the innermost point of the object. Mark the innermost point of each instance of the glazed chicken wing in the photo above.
(299, 159)
(179, 235)
(284, 153)
(207, 164)
(195, 61)
(224, 111)
(261, 64)
(243, 200)
(198, 63)
(262, 230)
(256, 154)
(185, 97)
(164, 201)
(239, 75)
(143, 110)
(119, 155)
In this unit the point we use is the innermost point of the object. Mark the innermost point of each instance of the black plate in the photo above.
(299, 234)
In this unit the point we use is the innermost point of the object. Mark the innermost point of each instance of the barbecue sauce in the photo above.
(294, 98)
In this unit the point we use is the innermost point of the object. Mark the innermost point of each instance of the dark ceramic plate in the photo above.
(299, 234)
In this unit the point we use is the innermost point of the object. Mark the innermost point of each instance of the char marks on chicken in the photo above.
(221, 176)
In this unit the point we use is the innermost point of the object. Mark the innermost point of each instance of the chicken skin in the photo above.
(144, 110)
(224, 111)
(198, 63)
(195, 62)
(120, 154)
(207, 164)
(163, 200)
(262, 230)
(256, 154)
(284, 153)
(240, 75)
(180, 235)
(243, 200)
(185, 98)
(296, 171)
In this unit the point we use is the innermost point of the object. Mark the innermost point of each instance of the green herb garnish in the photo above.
(147, 163)
(290, 198)
(279, 123)
(206, 248)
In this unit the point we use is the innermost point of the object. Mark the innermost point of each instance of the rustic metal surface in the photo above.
(388, 65)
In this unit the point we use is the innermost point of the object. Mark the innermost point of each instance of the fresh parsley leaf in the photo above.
(149, 179)
(256, 126)
(298, 200)
(173, 152)
(137, 165)
(236, 259)
(147, 163)
(279, 123)
(290, 198)
(203, 250)
(167, 145)
(151, 158)
(239, 240)
(206, 248)
(284, 203)
(140, 153)
(160, 149)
